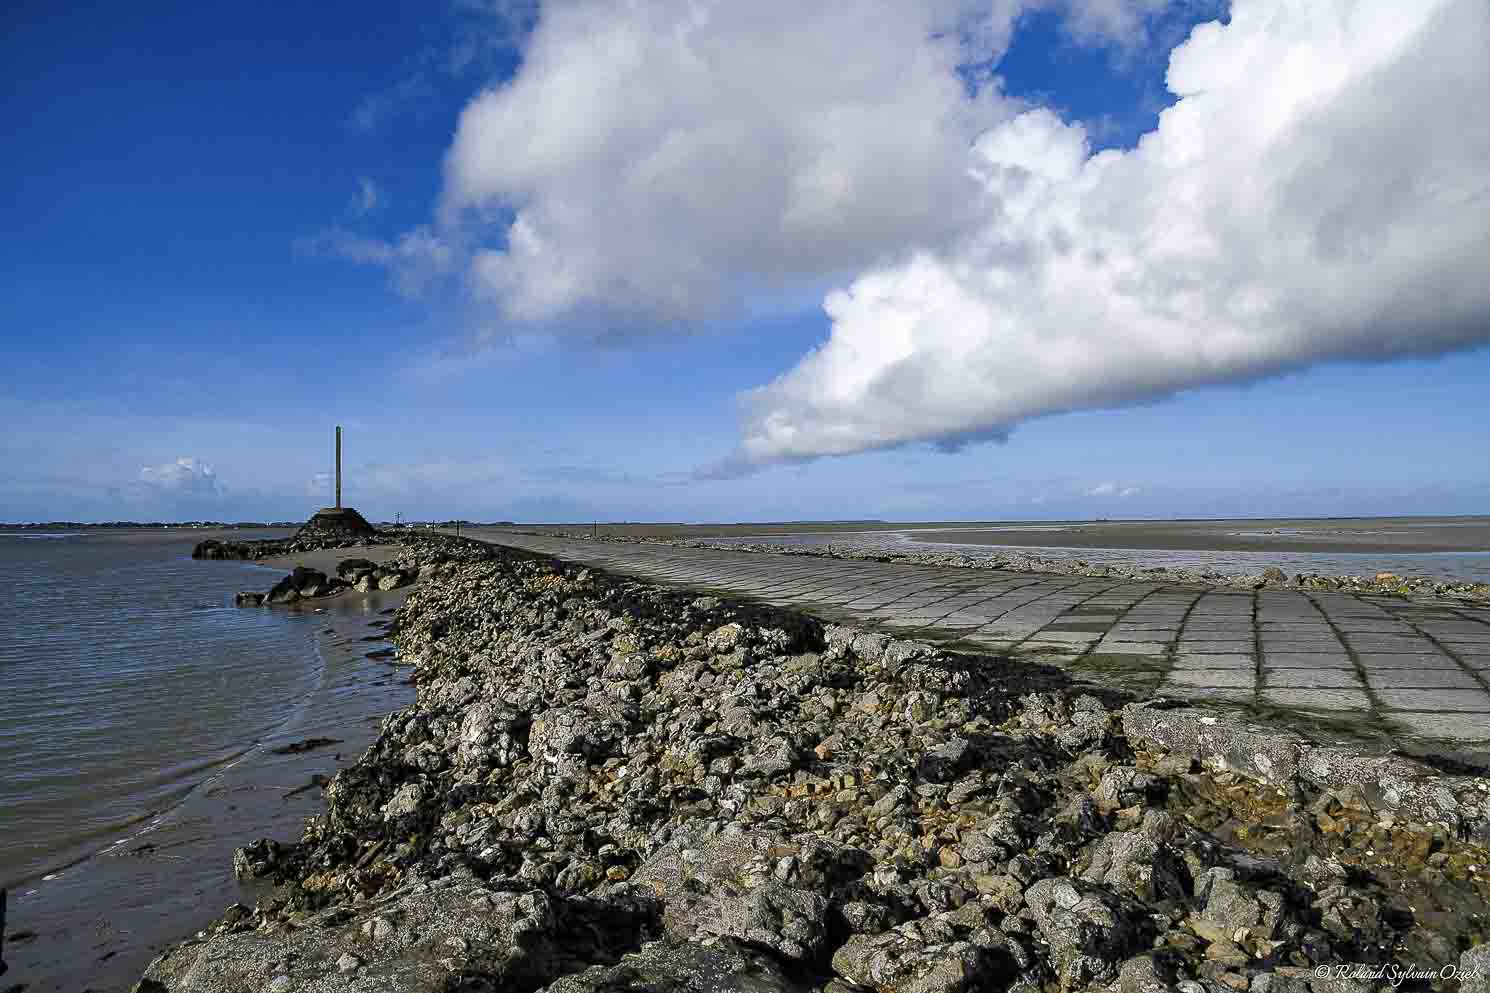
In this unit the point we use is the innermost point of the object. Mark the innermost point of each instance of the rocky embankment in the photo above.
(1379, 584)
(304, 583)
(606, 786)
(307, 539)
(359, 574)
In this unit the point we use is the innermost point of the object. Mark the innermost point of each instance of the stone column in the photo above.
(338, 467)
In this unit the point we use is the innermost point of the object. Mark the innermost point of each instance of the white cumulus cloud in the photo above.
(663, 158)
(187, 476)
(1320, 191)
(1110, 489)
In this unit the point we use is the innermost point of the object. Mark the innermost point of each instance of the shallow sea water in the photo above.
(139, 713)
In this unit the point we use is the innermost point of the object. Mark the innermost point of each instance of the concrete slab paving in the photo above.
(1423, 679)
(1468, 701)
(1454, 727)
(1311, 679)
(1326, 700)
(1422, 667)
(1403, 660)
(1307, 660)
(1230, 678)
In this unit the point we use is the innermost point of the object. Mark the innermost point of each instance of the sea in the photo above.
(139, 713)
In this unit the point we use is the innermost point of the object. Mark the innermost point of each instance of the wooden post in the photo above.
(338, 467)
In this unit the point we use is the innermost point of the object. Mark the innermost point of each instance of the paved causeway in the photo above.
(1422, 666)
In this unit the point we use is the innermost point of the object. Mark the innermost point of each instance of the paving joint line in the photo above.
(1257, 659)
(1476, 676)
(1078, 603)
(1173, 649)
(1118, 620)
(1377, 709)
(1460, 613)
(979, 603)
(1024, 603)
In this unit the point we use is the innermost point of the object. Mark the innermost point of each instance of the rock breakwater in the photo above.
(607, 786)
(303, 583)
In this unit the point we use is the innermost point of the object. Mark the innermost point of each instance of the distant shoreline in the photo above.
(1472, 538)
(1365, 535)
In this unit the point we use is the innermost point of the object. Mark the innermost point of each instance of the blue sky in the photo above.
(227, 233)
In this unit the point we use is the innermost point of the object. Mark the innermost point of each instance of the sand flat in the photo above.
(1409, 535)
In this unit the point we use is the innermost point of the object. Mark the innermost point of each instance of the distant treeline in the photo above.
(226, 525)
(95, 525)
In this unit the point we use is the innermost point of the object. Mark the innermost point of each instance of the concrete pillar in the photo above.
(338, 467)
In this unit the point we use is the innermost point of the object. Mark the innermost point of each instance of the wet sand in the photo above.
(1401, 535)
(96, 925)
(1408, 535)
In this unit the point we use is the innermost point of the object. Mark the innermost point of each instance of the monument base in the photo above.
(336, 523)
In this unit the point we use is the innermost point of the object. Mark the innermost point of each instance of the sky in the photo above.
(689, 260)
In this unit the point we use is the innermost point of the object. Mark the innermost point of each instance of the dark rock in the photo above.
(352, 568)
(1474, 970)
(1230, 906)
(1088, 930)
(261, 858)
(308, 582)
(411, 941)
(732, 886)
(1141, 863)
(1143, 974)
(294, 748)
(669, 967)
(284, 591)
(947, 953)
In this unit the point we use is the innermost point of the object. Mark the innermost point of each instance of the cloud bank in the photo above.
(1318, 192)
(662, 158)
(185, 477)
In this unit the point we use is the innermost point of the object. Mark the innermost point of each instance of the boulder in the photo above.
(945, 953)
(1141, 863)
(742, 886)
(391, 579)
(410, 941)
(668, 967)
(491, 736)
(352, 568)
(566, 731)
(258, 859)
(309, 582)
(1089, 931)
(284, 591)
(1231, 907)
(1474, 970)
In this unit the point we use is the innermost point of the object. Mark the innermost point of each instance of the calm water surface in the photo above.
(126, 678)
(142, 725)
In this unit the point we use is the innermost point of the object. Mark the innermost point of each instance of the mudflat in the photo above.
(1410, 535)
(1362, 534)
